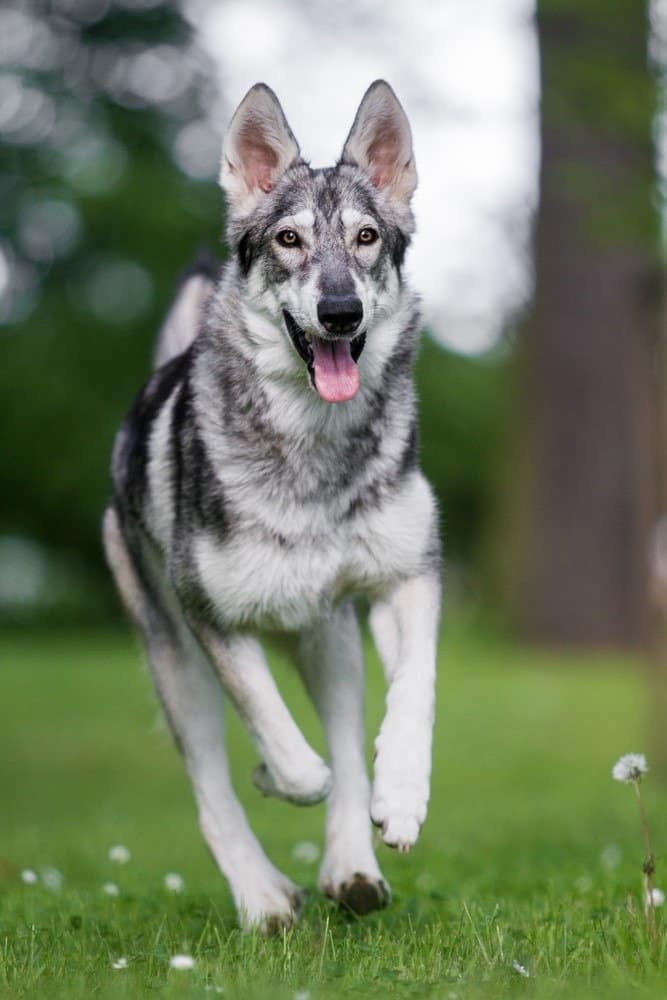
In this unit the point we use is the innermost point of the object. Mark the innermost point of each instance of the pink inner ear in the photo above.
(258, 159)
(383, 154)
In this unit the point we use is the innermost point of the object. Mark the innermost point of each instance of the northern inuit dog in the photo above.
(266, 477)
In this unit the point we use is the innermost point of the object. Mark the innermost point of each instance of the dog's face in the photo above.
(321, 250)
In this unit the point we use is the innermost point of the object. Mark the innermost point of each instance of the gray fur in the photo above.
(229, 450)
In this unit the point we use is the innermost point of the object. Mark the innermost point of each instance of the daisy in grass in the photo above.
(29, 876)
(174, 882)
(119, 854)
(119, 963)
(182, 962)
(111, 889)
(306, 852)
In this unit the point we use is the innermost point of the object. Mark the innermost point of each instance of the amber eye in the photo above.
(288, 238)
(367, 235)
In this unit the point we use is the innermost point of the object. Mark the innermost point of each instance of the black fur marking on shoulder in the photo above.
(132, 460)
(198, 498)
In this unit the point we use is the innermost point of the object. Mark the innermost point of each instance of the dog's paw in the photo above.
(270, 906)
(360, 893)
(305, 788)
(400, 796)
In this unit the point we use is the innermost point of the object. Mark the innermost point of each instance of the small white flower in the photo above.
(182, 962)
(306, 852)
(52, 878)
(111, 889)
(656, 897)
(119, 854)
(521, 969)
(630, 767)
(119, 963)
(302, 995)
(174, 882)
(611, 856)
(29, 876)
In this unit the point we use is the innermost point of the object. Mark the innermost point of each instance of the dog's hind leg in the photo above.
(191, 695)
(291, 769)
(331, 664)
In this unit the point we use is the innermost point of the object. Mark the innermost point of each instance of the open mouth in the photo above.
(331, 364)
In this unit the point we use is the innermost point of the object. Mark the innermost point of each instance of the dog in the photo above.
(266, 479)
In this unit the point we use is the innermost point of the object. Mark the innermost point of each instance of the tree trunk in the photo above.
(588, 365)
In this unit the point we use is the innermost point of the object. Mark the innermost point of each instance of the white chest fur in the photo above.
(251, 578)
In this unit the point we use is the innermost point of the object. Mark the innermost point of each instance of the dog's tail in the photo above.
(182, 322)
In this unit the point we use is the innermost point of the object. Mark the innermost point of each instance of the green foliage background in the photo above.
(67, 376)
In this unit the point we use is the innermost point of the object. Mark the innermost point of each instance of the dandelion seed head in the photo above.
(174, 882)
(29, 876)
(630, 767)
(306, 852)
(119, 963)
(119, 854)
(182, 962)
(52, 878)
(655, 897)
(111, 889)
(521, 969)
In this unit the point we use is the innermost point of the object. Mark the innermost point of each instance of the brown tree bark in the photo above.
(588, 365)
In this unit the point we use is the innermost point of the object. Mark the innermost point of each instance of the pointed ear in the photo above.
(258, 148)
(380, 142)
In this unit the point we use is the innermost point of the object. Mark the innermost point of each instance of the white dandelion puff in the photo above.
(119, 963)
(655, 897)
(119, 854)
(182, 962)
(521, 969)
(52, 878)
(111, 889)
(630, 767)
(306, 852)
(174, 882)
(29, 876)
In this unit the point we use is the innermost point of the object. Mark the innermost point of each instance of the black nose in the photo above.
(340, 313)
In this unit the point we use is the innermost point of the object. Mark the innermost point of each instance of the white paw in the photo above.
(305, 787)
(268, 904)
(400, 793)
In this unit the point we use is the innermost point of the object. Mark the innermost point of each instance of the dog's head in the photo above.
(320, 251)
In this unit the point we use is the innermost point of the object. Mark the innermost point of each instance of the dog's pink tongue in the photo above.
(336, 374)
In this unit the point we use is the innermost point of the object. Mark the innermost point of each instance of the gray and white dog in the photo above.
(266, 477)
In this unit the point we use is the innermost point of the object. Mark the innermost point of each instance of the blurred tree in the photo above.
(106, 191)
(585, 493)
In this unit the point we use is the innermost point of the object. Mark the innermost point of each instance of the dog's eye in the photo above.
(367, 235)
(288, 238)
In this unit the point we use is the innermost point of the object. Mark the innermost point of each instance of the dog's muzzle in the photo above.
(331, 362)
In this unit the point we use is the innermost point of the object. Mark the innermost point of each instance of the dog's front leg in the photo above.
(405, 626)
(291, 769)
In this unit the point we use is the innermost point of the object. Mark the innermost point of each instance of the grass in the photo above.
(509, 868)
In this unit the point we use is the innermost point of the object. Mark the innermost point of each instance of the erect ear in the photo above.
(258, 148)
(380, 142)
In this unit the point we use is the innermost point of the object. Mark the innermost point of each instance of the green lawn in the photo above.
(510, 866)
